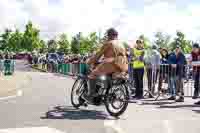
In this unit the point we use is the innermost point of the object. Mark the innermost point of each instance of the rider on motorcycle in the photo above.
(114, 60)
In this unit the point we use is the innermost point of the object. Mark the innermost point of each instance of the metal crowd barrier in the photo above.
(158, 79)
(68, 68)
(77, 68)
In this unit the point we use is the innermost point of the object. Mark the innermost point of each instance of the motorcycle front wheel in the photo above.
(76, 93)
(116, 100)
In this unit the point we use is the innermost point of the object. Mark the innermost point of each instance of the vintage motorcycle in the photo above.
(112, 92)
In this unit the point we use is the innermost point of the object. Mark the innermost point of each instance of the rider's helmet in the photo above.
(111, 34)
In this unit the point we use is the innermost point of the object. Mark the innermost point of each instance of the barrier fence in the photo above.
(167, 78)
(66, 68)
(182, 80)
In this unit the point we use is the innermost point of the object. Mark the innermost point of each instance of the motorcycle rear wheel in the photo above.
(120, 94)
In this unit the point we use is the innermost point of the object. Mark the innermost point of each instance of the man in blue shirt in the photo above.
(177, 63)
(172, 75)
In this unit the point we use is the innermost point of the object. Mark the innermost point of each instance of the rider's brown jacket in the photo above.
(112, 49)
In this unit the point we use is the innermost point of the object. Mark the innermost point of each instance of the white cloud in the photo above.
(72, 16)
(165, 16)
(11, 14)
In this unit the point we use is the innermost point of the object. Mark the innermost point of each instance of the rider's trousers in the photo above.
(91, 87)
(101, 69)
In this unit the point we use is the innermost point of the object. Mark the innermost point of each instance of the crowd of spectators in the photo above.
(161, 66)
(52, 60)
(44, 58)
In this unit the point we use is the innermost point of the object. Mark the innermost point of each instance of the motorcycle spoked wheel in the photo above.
(116, 100)
(77, 91)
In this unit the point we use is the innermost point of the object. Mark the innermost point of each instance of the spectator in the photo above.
(181, 63)
(67, 59)
(172, 76)
(1, 56)
(138, 68)
(178, 62)
(152, 60)
(47, 56)
(163, 67)
(12, 55)
(130, 65)
(1, 62)
(35, 58)
(76, 62)
(42, 59)
(84, 59)
(195, 54)
(7, 56)
(130, 70)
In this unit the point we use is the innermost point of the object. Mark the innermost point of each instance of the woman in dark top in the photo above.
(163, 67)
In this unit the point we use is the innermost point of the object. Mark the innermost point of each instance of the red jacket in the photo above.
(196, 57)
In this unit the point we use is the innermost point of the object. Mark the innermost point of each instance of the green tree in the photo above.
(15, 41)
(94, 41)
(4, 42)
(52, 45)
(126, 45)
(145, 40)
(162, 40)
(31, 38)
(180, 40)
(75, 45)
(89, 43)
(63, 44)
(43, 47)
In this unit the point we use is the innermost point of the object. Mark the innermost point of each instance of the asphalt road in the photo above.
(47, 93)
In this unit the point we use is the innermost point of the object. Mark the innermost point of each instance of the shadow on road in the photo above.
(65, 76)
(153, 100)
(158, 103)
(196, 111)
(74, 114)
(179, 106)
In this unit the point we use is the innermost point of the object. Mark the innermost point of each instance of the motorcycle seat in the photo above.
(119, 75)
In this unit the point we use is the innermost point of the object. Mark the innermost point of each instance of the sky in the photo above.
(130, 17)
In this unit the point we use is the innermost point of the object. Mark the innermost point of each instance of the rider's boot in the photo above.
(91, 90)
